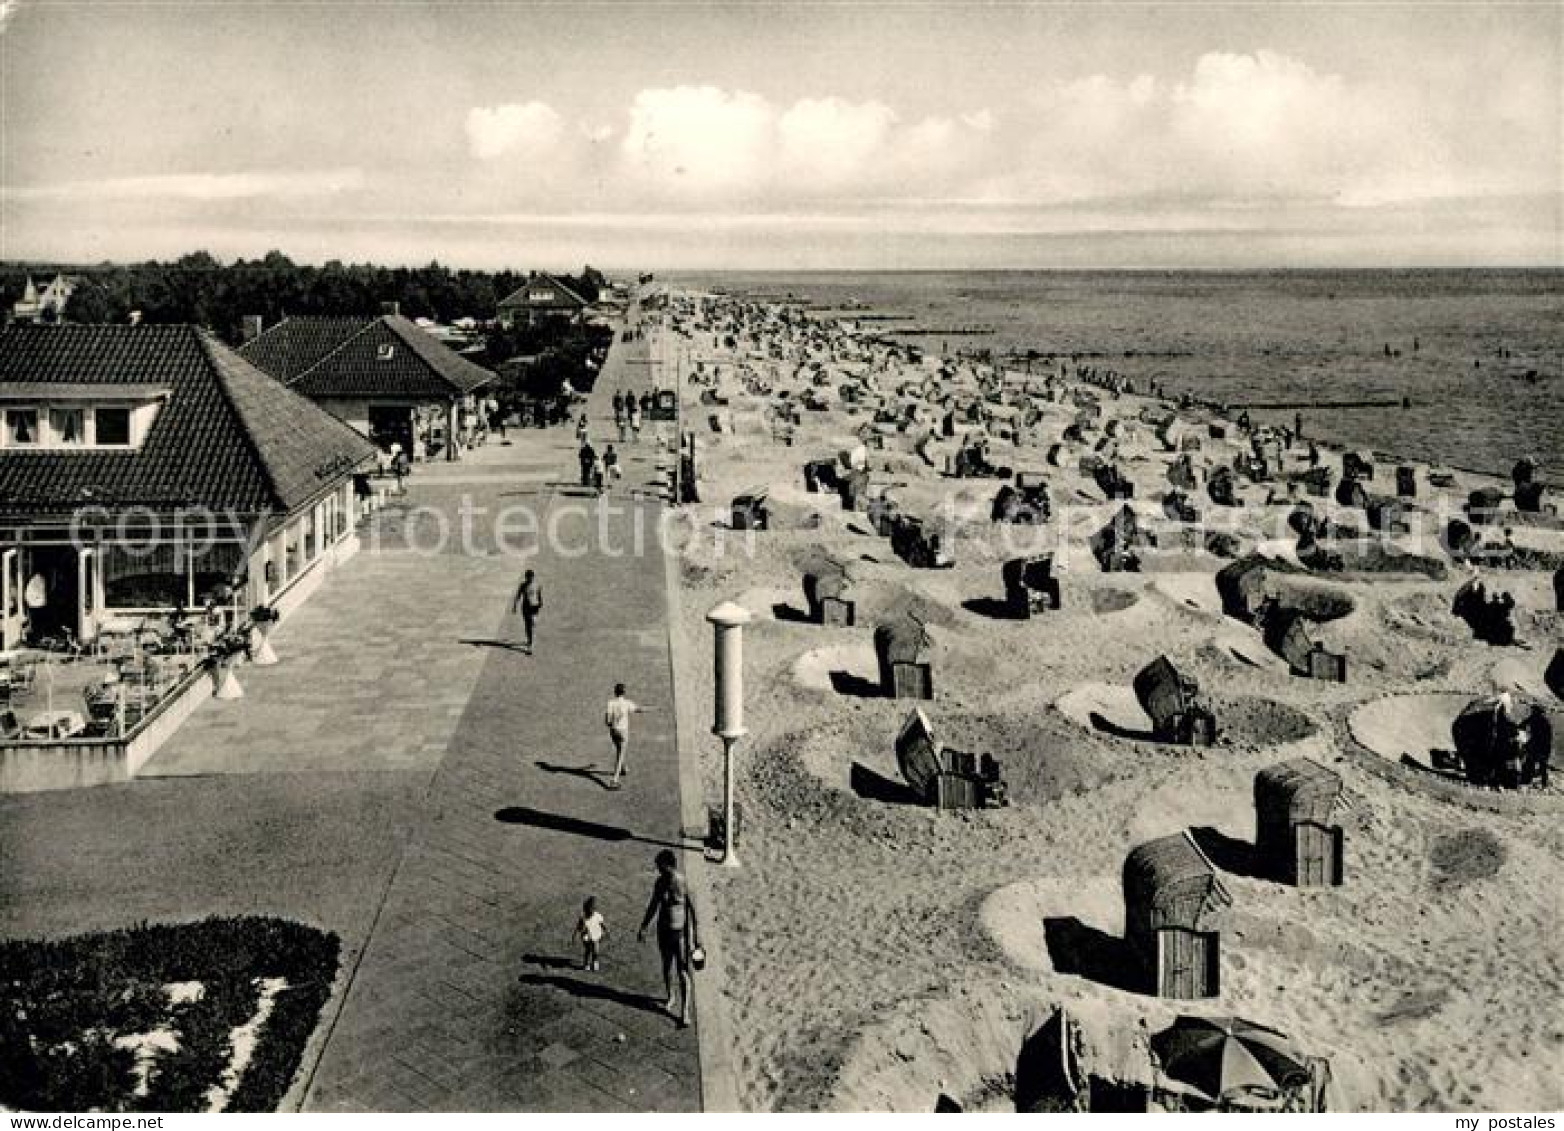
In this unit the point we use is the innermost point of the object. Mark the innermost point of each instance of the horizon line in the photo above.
(10, 263)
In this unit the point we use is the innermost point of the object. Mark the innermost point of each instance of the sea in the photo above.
(1457, 368)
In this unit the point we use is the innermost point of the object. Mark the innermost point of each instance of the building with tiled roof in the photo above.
(144, 468)
(384, 376)
(540, 298)
(46, 304)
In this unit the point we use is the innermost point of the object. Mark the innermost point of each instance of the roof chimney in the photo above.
(252, 328)
(390, 308)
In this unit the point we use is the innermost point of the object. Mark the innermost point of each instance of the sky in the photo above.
(780, 135)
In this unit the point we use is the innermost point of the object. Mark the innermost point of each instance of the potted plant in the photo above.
(225, 654)
(263, 618)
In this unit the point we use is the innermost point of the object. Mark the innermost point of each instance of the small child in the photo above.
(590, 929)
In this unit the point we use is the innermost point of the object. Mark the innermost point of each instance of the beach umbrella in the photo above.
(1219, 1055)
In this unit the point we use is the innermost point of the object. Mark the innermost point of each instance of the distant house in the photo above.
(384, 376)
(540, 298)
(149, 468)
(46, 305)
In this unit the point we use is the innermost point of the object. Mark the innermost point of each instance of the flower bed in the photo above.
(189, 1017)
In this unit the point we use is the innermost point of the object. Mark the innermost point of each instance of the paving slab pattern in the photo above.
(406, 779)
(468, 996)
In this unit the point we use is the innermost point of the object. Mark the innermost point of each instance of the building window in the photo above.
(113, 426)
(68, 426)
(21, 426)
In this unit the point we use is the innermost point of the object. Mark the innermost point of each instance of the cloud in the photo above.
(705, 143)
(529, 128)
(199, 186)
(832, 140)
(699, 138)
(1261, 129)
(1229, 130)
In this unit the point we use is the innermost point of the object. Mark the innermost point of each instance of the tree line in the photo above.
(200, 289)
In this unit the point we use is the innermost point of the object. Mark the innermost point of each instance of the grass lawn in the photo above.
(184, 1017)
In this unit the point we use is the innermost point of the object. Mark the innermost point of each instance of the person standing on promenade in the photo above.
(587, 457)
(616, 716)
(590, 929)
(635, 419)
(678, 933)
(528, 601)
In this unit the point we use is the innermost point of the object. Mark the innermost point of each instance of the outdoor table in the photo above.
(23, 654)
(54, 724)
(121, 626)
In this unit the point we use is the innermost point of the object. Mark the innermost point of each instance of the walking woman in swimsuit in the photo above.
(677, 932)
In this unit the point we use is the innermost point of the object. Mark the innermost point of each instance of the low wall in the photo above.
(70, 763)
(148, 737)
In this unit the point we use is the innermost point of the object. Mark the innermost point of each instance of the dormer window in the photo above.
(69, 423)
(69, 426)
(385, 352)
(113, 426)
(21, 427)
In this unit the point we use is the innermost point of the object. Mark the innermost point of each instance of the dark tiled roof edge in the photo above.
(462, 375)
(355, 449)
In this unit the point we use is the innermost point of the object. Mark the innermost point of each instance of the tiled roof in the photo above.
(354, 357)
(302, 446)
(565, 298)
(228, 437)
(295, 344)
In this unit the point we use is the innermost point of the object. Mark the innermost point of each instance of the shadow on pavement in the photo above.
(551, 961)
(579, 987)
(507, 645)
(557, 822)
(592, 774)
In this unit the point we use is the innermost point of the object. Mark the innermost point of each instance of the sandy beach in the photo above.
(880, 953)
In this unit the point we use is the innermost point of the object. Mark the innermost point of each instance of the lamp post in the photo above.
(728, 621)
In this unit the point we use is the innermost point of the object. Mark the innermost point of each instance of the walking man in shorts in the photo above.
(617, 717)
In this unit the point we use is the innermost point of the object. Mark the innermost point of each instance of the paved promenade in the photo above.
(405, 778)
(467, 997)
